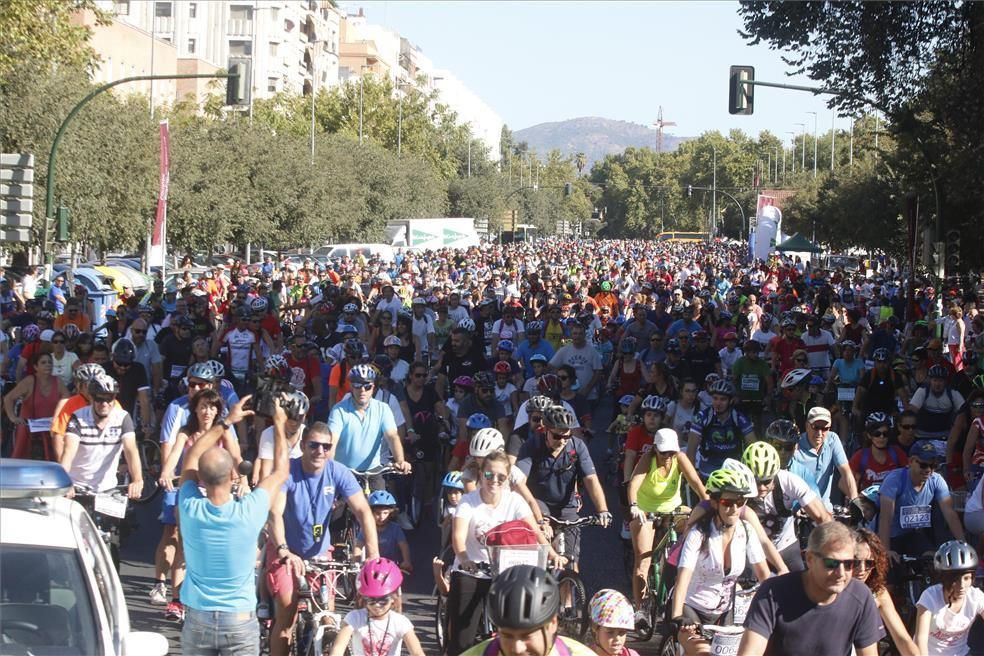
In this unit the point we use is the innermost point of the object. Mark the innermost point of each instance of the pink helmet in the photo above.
(379, 577)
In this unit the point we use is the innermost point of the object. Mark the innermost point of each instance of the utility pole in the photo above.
(833, 135)
(850, 160)
(399, 122)
(815, 134)
(314, 91)
(776, 177)
(803, 130)
(714, 184)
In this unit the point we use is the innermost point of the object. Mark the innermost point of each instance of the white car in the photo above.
(59, 591)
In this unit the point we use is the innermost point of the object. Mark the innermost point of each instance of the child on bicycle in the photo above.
(946, 611)
(377, 627)
(390, 537)
(611, 620)
(451, 490)
(619, 428)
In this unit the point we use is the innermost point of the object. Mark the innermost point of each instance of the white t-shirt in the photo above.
(393, 306)
(504, 396)
(516, 328)
(400, 370)
(764, 338)
(423, 327)
(240, 343)
(948, 631)
(711, 587)
(265, 450)
(382, 637)
(682, 417)
(483, 517)
(818, 349)
(63, 368)
(794, 490)
(585, 360)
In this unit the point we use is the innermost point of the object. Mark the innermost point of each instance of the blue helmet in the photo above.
(452, 480)
(381, 498)
(479, 420)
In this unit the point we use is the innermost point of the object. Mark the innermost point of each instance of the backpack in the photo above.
(492, 649)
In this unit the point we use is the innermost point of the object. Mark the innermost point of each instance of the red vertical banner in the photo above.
(158, 240)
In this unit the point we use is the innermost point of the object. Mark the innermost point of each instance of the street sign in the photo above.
(16, 196)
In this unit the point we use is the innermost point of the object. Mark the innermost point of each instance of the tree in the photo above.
(44, 31)
(580, 161)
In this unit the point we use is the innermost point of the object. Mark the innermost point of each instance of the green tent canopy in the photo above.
(798, 244)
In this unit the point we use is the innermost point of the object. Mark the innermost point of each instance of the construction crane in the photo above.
(660, 124)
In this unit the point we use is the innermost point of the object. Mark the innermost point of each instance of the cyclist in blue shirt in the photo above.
(818, 454)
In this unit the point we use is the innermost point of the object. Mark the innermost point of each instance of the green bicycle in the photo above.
(657, 591)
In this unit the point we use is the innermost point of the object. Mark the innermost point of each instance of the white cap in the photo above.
(47, 335)
(666, 440)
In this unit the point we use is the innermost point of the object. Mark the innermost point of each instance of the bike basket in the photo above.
(504, 557)
(724, 639)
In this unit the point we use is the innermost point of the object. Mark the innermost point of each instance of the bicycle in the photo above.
(724, 639)
(108, 511)
(657, 591)
(317, 622)
(573, 615)
(916, 575)
(151, 464)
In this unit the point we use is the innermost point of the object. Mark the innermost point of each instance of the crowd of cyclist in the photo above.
(753, 402)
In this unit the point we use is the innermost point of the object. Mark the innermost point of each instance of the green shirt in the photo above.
(750, 377)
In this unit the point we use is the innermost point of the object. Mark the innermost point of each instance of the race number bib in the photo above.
(39, 425)
(113, 505)
(177, 371)
(912, 517)
(846, 393)
(750, 383)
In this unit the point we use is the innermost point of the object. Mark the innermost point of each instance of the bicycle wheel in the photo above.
(573, 617)
(150, 467)
(649, 605)
(669, 646)
(440, 620)
(302, 636)
(328, 641)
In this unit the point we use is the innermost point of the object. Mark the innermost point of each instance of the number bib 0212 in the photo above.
(913, 517)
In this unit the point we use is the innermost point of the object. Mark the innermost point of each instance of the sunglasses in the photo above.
(103, 399)
(977, 406)
(907, 426)
(820, 428)
(563, 377)
(931, 466)
(732, 503)
(538, 419)
(881, 433)
(492, 476)
(800, 360)
(420, 375)
(361, 386)
(122, 365)
(324, 446)
(136, 331)
(195, 385)
(560, 436)
(834, 563)
(864, 564)
(378, 601)
(486, 390)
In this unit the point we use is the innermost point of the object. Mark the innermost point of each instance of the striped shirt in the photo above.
(98, 456)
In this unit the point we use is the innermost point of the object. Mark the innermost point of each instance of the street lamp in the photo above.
(714, 198)
(362, 74)
(399, 122)
(314, 89)
(803, 130)
(815, 137)
(792, 164)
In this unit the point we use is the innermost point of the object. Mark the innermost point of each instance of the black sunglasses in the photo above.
(324, 446)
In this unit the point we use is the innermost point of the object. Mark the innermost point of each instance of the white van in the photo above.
(338, 251)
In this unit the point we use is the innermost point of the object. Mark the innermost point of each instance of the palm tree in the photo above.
(580, 161)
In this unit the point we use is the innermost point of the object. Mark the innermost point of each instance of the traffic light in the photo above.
(740, 95)
(690, 191)
(568, 189)
(952, 251)
(61, 225)
(238, 87)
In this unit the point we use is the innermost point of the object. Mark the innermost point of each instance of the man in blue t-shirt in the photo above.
(907, 498)
(299, 521)
(818, 454)
(534, 344)
(218, 532)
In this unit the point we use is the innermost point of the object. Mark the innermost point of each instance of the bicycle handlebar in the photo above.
(379, 470)
(85, 489)
(593, 520)
(676, 514)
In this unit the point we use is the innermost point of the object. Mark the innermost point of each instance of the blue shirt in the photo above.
(388, 538)
(552, 479)
(220, 549)
(682, 325)
(912, 507)
(308, 504)
(360, 436)
(817, 469)
(719, 439)
(525, 351)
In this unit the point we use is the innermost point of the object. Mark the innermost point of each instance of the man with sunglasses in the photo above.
(299, 520)
(819, 454)
(176, 351)
(823, 610)
(134, 390)
(557, 465)
(147, 353)
(913, 501)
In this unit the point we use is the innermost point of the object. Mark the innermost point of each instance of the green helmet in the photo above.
(726, 480)
(606, 286)
(763, 459)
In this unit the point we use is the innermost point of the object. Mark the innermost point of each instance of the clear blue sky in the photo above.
(535, 62)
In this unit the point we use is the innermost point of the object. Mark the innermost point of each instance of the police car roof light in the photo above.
(23, 479)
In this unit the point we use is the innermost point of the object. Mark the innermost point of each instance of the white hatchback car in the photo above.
(59, 591)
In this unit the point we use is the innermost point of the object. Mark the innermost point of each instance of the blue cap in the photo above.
(626, 400)
(927, 450)
(505, 345)
(538, 357)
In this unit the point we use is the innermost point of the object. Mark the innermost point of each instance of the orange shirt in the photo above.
(335, 380)
(81, 321)
(60, 423)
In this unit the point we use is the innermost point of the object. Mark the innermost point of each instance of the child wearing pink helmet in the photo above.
(377, 629)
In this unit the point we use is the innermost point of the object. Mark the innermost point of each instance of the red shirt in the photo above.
(638, 439)
(785, 348)
(311, 369)
(874, 471)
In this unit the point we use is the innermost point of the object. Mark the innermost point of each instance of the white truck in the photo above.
(432, 234)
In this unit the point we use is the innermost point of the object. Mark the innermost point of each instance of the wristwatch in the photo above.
(283, 547)
(224, 424)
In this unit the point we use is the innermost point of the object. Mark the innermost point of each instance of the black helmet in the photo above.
(124, 352)
(782, 431)
(523, 597)
(560, 418)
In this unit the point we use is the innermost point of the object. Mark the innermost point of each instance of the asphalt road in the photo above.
(602, 565)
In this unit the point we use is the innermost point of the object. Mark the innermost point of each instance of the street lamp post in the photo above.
(362, 74)
(714, 184)
(803, 130)
(833, 134)
(314, 90)
(775, 178)
(814, 143)
(792, 163)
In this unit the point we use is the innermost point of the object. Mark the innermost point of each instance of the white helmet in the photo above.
(485, 442)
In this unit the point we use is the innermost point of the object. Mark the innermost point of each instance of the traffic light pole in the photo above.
(744, 223)
(49, 209)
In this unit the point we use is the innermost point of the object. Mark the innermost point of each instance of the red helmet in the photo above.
(502, 367)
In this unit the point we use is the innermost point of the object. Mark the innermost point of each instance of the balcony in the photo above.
(239, 27)
(163, 24)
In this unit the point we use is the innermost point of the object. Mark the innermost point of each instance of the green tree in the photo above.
(44, 31)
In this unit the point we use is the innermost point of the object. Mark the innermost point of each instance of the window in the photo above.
(273, 49)
(191, 46)
(163, 9)
(271, 85)
(240, 49)
(274, 14)
(121, 7)
(240, 12)
(192, 10)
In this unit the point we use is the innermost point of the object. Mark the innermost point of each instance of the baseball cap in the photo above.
(926, 450)
(666, 440)
(818, 413)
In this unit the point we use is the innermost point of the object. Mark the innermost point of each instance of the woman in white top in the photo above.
(63, 363)
(955, 330)
(715, 553)
(946, 611)
(479, 511)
